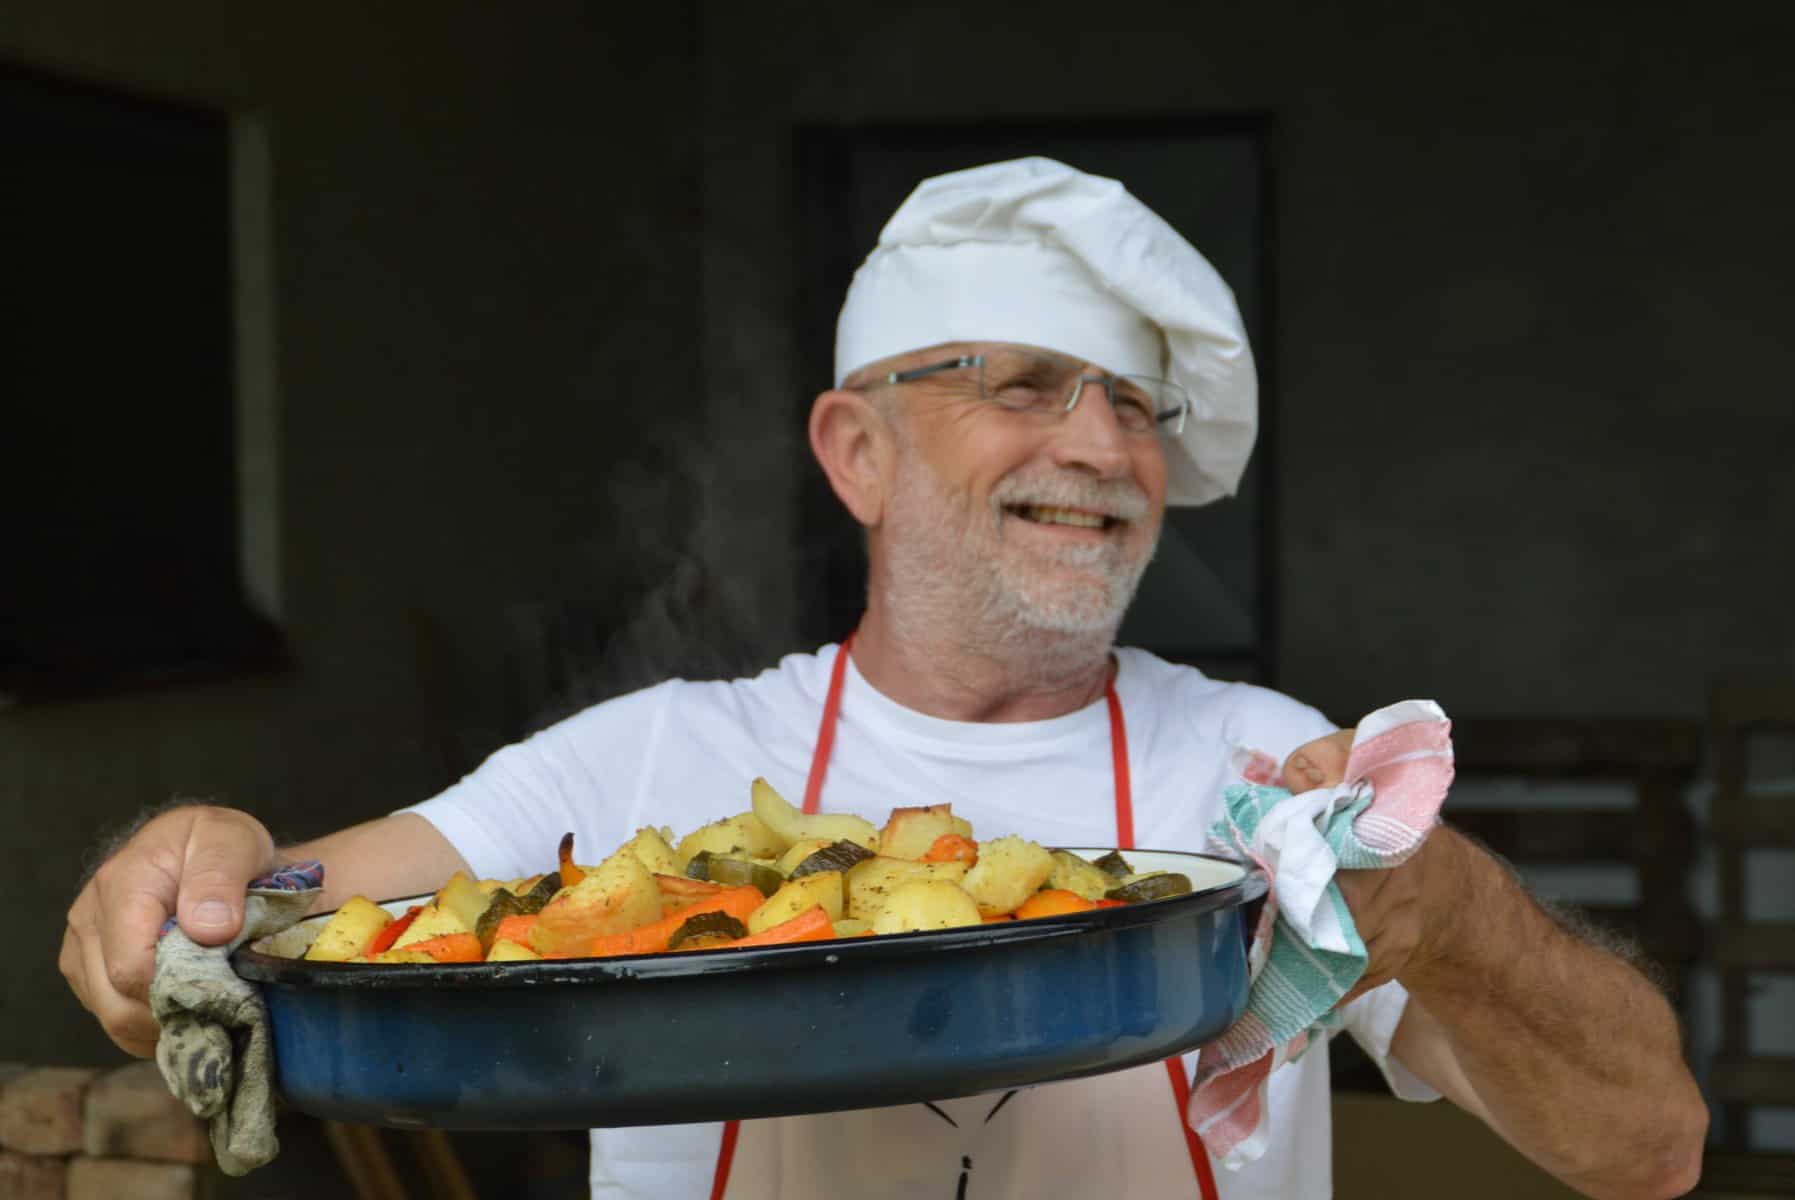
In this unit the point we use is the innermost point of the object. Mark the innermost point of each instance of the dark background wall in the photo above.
(1532, 281)
(535, 289)
(484, 250)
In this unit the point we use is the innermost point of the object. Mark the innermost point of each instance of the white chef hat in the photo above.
(1036, 252)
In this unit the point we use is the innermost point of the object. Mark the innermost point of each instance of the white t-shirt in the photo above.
(682, 754)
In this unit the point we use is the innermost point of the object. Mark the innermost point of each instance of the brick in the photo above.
(132, 1114)
(31, 1177)
(40, 1110)
(119, 1178)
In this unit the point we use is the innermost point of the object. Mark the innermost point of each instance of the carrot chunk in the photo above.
(450, 948)
(952, 847)
(1053, 902)
(515, 928)
(811, 925)
(383, 941)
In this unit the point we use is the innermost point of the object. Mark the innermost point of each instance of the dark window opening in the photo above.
(118, 453)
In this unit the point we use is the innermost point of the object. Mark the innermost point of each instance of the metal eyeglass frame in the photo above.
(1170, 424)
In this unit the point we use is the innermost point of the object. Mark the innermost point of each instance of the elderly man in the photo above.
(1030, 366)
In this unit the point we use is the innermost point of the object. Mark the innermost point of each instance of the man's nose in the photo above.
(1090, 437)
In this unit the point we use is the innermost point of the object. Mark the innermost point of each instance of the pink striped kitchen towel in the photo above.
(1306, 952)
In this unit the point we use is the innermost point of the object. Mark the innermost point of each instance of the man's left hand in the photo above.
(1390, 908)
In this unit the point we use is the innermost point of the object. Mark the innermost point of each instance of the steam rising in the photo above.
(642, 601)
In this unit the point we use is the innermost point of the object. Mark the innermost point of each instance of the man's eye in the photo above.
(1019, 391)
(1133, 410)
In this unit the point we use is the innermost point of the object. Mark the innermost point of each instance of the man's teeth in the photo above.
(1044, 515)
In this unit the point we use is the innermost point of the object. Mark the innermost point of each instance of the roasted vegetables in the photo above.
(765, 877)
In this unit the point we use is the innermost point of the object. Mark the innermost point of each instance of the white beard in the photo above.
(1044, 612)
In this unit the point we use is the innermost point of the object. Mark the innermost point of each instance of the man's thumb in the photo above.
(224, 852)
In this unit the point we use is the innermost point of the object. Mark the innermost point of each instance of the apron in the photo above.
(1174, 1067)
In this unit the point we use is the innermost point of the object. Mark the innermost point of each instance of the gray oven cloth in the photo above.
(214, 1052)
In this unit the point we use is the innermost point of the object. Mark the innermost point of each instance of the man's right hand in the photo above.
(192, 863)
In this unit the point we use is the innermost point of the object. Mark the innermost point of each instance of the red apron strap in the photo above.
(725, 1156)
(1118, 753)
(1118, 749)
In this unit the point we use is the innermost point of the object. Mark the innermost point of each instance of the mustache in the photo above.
(1119, 498)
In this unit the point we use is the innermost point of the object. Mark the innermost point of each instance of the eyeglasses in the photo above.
(1050, 385)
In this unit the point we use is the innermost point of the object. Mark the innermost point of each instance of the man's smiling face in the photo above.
(1048, 522)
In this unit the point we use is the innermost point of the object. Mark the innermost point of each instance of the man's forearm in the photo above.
(383, 859)
(1573, 1055)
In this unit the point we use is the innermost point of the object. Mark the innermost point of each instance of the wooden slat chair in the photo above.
(1749, 814)
(365, 1157)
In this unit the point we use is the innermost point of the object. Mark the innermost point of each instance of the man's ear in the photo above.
(852, 443)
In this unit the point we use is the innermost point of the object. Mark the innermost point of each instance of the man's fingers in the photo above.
(224, 851)
(70, 964)
(1320, 763)
(127, 940)
(126, 1021)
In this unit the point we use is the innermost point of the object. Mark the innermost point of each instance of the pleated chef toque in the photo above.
(1036, 252)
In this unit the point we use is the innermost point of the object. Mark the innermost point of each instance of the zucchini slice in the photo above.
(734, 872)
(1114, 864)
(1154, 885)
(713, 927)
(836, 856)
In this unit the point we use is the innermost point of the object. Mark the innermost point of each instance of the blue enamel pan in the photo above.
(774, 1031)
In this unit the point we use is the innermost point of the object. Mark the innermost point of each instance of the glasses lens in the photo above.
(1026, 382)
(1146, 404)
(1022, 380)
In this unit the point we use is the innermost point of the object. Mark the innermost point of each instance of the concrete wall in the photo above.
(1532, 276)
(484, 261)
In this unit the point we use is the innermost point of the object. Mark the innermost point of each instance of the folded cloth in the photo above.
(1306, 953)
(214, 1050)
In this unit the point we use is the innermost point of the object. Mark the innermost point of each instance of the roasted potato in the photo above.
(1009, 871)
(740, 836)
(926, 904)
(870, 884)
(434, 921)
(819, 887)
(347, 934)
(618, 895)
(791, 826)
(911, 831)
(650, 845)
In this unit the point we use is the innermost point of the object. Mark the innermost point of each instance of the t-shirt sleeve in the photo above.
(1271, 722)
(1372, 1020)
(507, 816)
